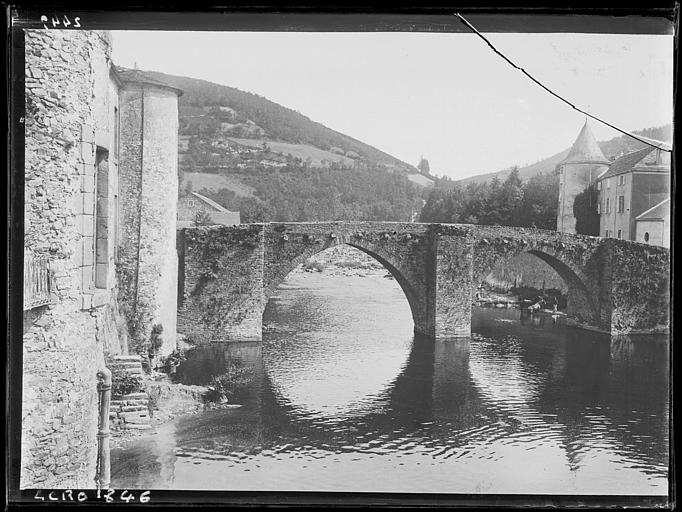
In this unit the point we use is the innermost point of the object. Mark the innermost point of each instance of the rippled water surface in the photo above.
(343, 397)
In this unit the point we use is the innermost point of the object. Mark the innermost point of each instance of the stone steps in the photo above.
(129, 411)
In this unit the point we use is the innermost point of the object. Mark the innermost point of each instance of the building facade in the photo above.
(192, 203)
(634, 184)
(584, 162)
(653, 226)
(76, 210)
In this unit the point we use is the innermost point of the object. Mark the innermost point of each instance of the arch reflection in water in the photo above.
(585, 412)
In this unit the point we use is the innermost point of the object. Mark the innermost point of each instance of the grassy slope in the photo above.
(279, 122)
(302, 151)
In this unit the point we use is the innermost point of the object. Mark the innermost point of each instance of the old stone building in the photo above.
(584, 162)
(634, 185)
(192, 203)
(79, 209)
(148, 265)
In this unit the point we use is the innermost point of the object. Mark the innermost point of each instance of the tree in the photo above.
(202, 218)
(585, 211)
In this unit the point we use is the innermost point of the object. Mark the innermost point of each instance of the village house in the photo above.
(192, 203)
(633, 190)
(634, 194)
(99, 222)
(653, 226)
(183, 143)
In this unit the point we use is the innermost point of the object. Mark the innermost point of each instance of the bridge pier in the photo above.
(454, 287)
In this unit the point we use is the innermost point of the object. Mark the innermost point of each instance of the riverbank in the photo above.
(343, 260)
(167, 401)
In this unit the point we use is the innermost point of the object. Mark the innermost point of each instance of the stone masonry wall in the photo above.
(640, 293)
(147, 268)
(222, 283)
(577, 177)
(229, 273)
(158, 256)
(62, 343)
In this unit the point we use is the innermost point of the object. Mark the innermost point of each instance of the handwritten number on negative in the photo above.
(108, 495)
(64, 20)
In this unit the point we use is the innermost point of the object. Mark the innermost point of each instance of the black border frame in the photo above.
(584, 17)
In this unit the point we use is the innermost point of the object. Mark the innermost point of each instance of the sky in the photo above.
(444, 96)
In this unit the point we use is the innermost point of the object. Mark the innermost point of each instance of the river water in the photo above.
(343, 397)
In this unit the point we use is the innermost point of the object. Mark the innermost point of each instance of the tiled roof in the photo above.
(585, 149)
(210, 202)
(657, 212)
(626, 162)
(139, 76)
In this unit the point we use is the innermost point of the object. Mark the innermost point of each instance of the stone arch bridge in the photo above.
(227, 274)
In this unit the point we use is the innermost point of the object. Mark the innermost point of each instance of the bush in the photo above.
(173, 360)
(231, 385)
(123, 384)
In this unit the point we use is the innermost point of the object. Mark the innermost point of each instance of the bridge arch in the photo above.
(403, 276)
(582, 297)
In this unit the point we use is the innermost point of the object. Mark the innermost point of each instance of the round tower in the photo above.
(148, 184)
(584, 162)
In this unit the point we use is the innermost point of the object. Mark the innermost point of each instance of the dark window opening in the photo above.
(102, 219)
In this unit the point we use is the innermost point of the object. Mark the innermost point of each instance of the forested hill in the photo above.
(278, 122)
(612, 148)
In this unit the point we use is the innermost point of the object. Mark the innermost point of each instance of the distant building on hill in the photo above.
(183, 143)
(192, 203)
(634, 197)
(584, 162)
(424, 167)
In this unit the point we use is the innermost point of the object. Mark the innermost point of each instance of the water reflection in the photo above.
(516, 408)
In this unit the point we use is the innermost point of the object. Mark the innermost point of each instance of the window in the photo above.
(608, 182)
(102, 219)
(620, 234)
(599, 185)
(599, 207)
(606, 234)
(646, 236)
(190, 203)
(621, 204)
(608, 205)
(621, 179)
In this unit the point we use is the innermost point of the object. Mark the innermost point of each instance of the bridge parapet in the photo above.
(229, 273)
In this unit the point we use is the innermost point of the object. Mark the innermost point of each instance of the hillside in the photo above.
(272, 164)
(612, 148)
(255, 117)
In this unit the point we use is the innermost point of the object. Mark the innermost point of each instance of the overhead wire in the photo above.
(492, 47)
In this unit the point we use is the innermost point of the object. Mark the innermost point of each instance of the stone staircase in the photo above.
(131, 411)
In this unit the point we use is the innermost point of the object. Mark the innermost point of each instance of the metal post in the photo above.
(103, 433)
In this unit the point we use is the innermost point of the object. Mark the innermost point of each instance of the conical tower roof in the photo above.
(585, 149)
